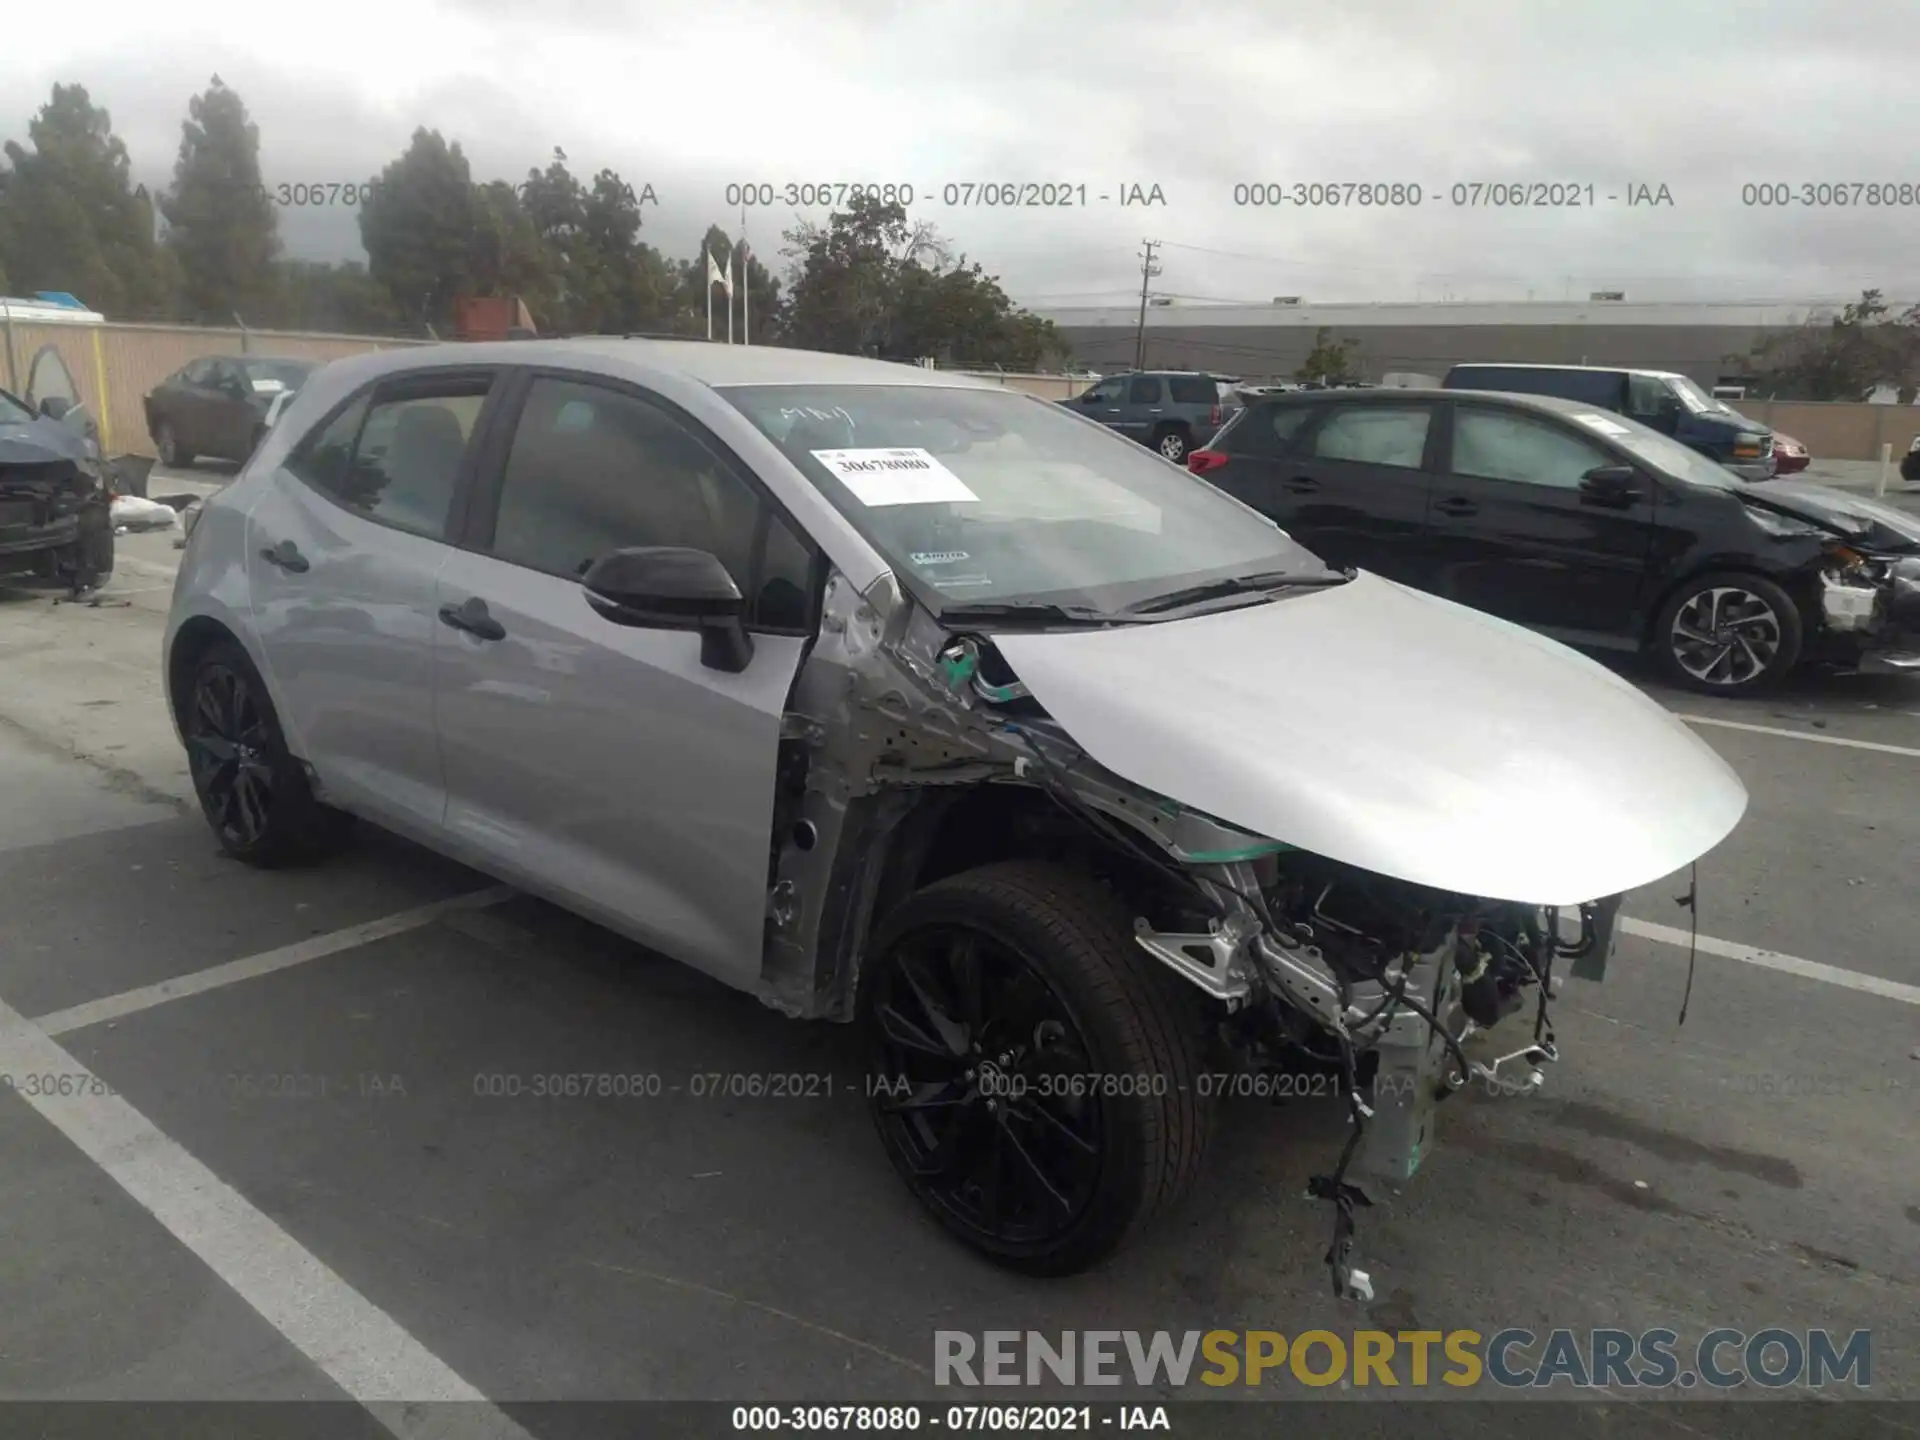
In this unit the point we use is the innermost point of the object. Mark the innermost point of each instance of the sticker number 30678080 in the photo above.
(894, 477)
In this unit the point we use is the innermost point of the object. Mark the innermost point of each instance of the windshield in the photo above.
(1694, 398)
(269, 376)
(1661, 452)
(993, 496)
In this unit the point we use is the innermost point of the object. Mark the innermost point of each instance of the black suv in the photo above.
(1585, 525)
(1174, 411)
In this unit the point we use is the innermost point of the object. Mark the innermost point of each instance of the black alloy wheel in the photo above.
(254, 793)
(1729, 634)
(1032, 1072)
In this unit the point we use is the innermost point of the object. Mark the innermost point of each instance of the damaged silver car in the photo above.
(905, 700)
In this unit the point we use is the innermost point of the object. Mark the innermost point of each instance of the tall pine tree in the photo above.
(223, 227)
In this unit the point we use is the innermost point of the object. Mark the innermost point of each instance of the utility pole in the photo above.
(1147, 271)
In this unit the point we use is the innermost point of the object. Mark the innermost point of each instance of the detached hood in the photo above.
(1867, 522)
(1399, 733)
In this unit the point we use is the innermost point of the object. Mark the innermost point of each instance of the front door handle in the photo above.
(1301, 485)
(472, 617)
(286, 555)
(1457, 507)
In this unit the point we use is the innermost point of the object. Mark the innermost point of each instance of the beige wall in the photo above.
(115, 365)
(1834, 431)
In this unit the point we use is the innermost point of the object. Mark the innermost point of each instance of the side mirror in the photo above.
(55, 408)
(669, 588)
(1610, 485)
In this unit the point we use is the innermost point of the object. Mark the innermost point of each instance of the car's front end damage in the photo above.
(1866, 575)
(53, 500)
(1334, 924)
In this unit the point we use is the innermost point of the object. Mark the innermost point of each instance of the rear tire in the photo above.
(1727, 633)
(1173, 444)
(1091, 1050)
(252, 790)
(167, 445)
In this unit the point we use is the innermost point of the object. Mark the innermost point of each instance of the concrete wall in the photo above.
(1255, 352)
(1839, 432)
(115, 365)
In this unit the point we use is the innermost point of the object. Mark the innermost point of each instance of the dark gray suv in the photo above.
(1174, 411)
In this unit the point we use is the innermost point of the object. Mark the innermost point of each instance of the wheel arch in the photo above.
(1798, 581)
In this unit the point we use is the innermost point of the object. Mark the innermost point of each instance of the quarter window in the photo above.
(1512, 447)
(1374, 435)
(592, 470)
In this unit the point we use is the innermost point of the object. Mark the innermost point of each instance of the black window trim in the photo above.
(482, 502)
(408, 385)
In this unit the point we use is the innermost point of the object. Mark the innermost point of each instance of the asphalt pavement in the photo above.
(303, 1183)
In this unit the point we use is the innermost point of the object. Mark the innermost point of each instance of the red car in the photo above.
(1789, 454)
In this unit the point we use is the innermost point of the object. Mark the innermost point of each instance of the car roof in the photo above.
(250, 359)
(1383, 396)
(707, 362)
(1582, 369)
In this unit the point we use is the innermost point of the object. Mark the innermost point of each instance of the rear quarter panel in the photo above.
(212, 585)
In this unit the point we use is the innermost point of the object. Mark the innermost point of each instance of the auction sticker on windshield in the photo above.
(894, 477)
(1603, 424)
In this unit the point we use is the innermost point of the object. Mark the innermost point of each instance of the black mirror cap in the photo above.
(666, 583)
(1611, 476)
(55, 408)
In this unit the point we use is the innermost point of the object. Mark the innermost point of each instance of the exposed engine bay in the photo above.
(1302, 960)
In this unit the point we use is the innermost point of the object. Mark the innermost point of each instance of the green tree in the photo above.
(222, 226)
(420, 228)
(958, 314)
(1330, 362)
(1845, 357)
(845, 280)
(72, 219)
(508, 257)
(343, 299)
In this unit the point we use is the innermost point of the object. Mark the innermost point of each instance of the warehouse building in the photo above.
(1700, 340)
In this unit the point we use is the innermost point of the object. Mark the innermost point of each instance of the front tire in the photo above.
(1173, 444)
(254, 793)
(1728, 634)
(1034, 1076)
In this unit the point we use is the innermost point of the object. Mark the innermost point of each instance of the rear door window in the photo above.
(396, 456)
(1145, 390)
(1374, 435)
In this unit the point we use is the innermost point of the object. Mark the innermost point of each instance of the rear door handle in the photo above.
(286, 555)
(1457, 507)
(472, 617)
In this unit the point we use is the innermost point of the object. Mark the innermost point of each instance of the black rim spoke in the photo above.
(228, 743)
(1011, 1150)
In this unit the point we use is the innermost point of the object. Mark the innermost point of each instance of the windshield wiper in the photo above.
(1047, 612)
(1236, 585)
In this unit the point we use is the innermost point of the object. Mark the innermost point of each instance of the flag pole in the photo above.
(729, 289)
(706, 274)
(746, 287)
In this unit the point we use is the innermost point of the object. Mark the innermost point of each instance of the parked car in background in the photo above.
(903, 699)
(1910, 462)
(54, 502)
(221, 406)
(1171, 410)
(1585, 525)
(1789, 455)
(1659, 399)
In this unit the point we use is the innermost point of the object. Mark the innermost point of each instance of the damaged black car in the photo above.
(55, 500)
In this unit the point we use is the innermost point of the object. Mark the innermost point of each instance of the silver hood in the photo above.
(1399, 733)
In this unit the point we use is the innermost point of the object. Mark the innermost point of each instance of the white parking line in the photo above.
(360, 1347)
(129, 1002)
(1800, 735)
(1774, 960)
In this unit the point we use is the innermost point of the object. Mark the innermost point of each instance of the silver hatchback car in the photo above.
(903, 699)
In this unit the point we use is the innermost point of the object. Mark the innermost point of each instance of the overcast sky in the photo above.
(1701, 96)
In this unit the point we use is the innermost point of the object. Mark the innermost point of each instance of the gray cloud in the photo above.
(690, 94)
